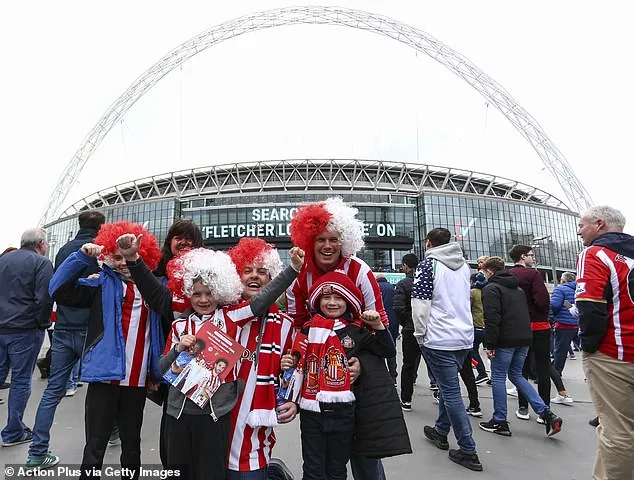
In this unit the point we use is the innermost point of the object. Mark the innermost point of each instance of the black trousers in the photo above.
(540, 348)
(468, 378)
(107, 404)
(326, 443)
(411, 360)
(197, 446)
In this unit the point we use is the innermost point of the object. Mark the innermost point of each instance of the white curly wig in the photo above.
(344, 221)
(214, 269)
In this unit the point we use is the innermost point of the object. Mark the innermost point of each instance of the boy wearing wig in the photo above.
(123, 342)
(198, 438)
(327, 405)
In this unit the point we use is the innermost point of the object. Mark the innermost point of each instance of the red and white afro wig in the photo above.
(109, 232)
(255, 251)
(333, 214)
(214, 269)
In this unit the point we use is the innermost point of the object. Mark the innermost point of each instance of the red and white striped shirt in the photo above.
(136, 336)
(250, 448)
(603, 276)
(356, 269)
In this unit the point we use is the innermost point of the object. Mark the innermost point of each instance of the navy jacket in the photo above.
(387, 294)
(74, 318)
(562, 293)
(24, 300)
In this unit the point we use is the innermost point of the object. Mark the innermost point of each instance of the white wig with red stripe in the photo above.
(214, 269)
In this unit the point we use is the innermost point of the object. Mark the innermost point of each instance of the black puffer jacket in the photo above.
(506, 316)
(380, 430)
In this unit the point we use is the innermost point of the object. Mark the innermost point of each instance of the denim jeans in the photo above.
(326, 442)
(66, 350)
(20, 349)
(563, 338)
(478, 338)
(445, 366)
(511, 361)
(73, 377)
(259, 474)
(364, 468)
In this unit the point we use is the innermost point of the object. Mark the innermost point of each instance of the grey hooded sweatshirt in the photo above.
(441, 308)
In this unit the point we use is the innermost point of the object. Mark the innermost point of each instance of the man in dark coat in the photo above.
(66, 346)
(25, 309)
(403, 312)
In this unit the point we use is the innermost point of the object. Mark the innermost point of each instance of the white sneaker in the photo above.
(522, 414)
(70, 392)
(562, 399)
(512, 392)
(540, 420)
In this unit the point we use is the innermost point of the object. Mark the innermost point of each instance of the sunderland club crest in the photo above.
(312, 372)
(347, 342)
(334, 365)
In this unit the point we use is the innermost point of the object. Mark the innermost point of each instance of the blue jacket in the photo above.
(560, 311)
(74, 318)
(24, 300)
(104, 351)
(387, 294)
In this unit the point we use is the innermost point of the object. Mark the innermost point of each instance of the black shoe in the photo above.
(433, 387)
(406, 406)
(553, 423)
(4, 386)
(594, 422)
(467, 460)
(43, 368)
(474, 412)
(439, 440)
(277, 470)
(501, 428)
(481, 379)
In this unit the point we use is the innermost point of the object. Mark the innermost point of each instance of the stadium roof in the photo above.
(314, 175)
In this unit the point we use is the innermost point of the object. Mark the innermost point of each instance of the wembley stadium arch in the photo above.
(397, 203)
(578, 198)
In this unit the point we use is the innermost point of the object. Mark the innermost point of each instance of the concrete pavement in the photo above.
(528, 454)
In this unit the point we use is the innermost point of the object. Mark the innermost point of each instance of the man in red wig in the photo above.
(252, 420)
(331, 235)
(122, 346)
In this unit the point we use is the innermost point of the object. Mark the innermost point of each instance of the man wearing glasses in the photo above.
(532, 283)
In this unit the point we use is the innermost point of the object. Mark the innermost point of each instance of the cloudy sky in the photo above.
(309, 91)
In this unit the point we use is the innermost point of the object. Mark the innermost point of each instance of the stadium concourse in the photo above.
(527, 455)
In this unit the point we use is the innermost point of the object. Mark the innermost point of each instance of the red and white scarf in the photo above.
(326, 372)
(268, 359)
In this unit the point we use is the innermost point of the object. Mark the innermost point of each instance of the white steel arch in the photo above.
(550, 155)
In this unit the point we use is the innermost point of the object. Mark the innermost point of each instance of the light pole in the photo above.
(551, 252)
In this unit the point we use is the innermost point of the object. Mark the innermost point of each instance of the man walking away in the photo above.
(25, 309)
(403, 312)
(531, 281)
(444, 329)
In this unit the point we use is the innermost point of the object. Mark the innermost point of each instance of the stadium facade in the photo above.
(397, 202)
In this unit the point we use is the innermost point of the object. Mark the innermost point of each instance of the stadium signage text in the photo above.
(275, 222)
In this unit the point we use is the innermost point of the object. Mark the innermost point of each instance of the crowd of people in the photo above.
(127, 313)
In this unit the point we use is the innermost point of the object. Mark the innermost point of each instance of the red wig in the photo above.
(308, 222)
(251, 250)
(109, 232)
